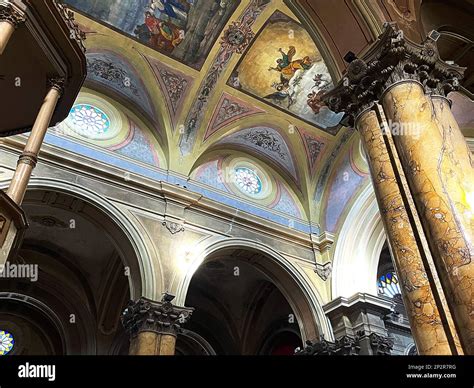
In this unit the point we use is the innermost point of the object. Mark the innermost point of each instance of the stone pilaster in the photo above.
(153, 326)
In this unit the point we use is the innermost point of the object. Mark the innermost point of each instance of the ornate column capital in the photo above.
(159, 317)
(11, 14)
(391, 60)
(56, 82)
(344, 346)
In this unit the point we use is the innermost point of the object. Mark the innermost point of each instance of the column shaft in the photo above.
(438, 166)
(430, 335)
(28, 158)
(6, 31)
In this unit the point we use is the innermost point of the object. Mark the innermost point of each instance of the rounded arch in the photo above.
(358, 248)
(146, 281)
(302, 296)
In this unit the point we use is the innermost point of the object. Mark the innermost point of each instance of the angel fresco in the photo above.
(287, 67)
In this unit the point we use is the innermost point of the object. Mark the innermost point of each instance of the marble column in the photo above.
(410, 80)
(10, 18)
(153, 326)
(29, 156)
(428, 331)
(439, 169)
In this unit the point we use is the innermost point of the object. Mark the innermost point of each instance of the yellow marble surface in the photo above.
(439, 169)
(427, 327)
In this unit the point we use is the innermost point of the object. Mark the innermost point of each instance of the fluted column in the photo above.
(153, 326)
(410, 81)
(10, 18)
(429, 332)
(29, 156)
(439, 169)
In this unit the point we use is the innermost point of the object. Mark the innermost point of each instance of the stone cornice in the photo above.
(391, 60)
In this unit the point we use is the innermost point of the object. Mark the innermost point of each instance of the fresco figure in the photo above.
(173, 8)
(158, 34)
(287, 67)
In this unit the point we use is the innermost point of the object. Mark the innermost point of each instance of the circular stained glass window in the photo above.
(388, 285)
(88, 121)
(247, 181)
(6, 342)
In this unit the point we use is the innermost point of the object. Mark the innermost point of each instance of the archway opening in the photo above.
(66, 289)
(247, 304)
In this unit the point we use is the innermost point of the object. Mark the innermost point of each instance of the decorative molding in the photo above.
(11, 14)
(324, 270)
(112, 73)
(314, 147)
(235, 39)
(173, 227)
(392, 59)
(228, 110)
(380, 345)
(49, 222)
(145, 315)
(75, 32)
(174, 85)
(344, 346)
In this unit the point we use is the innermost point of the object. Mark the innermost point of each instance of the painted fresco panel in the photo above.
(185, 30)
(284, 68)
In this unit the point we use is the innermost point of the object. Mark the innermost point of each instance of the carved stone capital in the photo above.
(381, 345)
(11, 14)
(56, 83)
(159, 317)
(392, 59)
(344, 346)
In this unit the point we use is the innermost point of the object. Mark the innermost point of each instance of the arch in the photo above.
(46, 312)
(358, 248)
(146, 283)
(308, 308)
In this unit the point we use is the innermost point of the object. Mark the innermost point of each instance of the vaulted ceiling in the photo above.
(211, 79)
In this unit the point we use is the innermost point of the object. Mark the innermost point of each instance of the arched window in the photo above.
(388, 284)
(7, 342)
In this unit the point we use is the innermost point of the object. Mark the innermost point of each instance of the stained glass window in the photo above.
(6, 342)
(247, 181)
(388, 284)
(88, 121)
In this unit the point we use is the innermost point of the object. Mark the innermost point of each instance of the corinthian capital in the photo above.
(390, 60)
(11, 14)
(160, 317)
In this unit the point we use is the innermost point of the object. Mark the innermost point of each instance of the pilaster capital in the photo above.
(159, 317)
(11, 14)
(391, 60)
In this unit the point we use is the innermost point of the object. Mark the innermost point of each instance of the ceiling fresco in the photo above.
(186, 91)
(284, 67)
(183, 29)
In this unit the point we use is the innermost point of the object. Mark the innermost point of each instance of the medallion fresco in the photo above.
(185, 30)
(284, 68)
